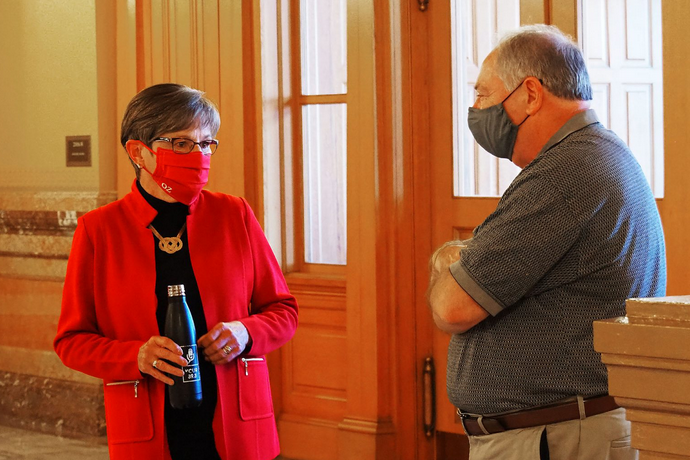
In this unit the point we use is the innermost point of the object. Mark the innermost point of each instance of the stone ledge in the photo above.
(33, 268)
(38, 246)
(647, 355)
(14, 200)
(58, 407)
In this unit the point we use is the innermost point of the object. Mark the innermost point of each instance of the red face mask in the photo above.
(180, 176)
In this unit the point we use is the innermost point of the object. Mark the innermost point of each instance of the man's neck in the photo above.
(544, 124)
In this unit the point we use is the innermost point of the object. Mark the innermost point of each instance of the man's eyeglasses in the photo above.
(183, 146)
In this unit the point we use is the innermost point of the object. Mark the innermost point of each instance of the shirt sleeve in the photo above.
(517, 245)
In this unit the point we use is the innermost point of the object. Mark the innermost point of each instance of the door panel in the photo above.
(474, 27)
(621, 41)
(455, 217)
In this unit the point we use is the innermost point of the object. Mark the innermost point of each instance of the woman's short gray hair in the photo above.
(166, 108)
(548, 54)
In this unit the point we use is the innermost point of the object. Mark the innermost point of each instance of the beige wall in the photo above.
(50, 80)
(531, 11)
(50, 86)
(49, 91)
(57, 80)
(562, 13)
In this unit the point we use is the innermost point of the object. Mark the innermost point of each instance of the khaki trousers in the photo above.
(600, 437)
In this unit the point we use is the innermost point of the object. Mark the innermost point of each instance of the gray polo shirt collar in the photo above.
(577, 122)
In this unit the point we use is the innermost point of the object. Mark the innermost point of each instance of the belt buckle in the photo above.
(496, 426)
(463, 416)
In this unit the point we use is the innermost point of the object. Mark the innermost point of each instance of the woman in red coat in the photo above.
(169, 231)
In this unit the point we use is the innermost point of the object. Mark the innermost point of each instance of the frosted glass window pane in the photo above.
(622, 43)
(323, 46)
(475, 27)
(325, 173)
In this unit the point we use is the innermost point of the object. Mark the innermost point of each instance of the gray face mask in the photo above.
(493, 130)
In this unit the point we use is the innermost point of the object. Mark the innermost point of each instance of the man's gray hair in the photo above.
(166, 108)
(548, 54)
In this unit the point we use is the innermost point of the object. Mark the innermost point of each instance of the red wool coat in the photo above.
(109, 311)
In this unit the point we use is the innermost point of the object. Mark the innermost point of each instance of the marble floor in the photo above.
(16, 444)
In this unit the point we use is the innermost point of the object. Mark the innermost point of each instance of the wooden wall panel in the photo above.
(314, 362)
(676, 202)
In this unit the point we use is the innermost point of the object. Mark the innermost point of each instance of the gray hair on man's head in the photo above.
(546, 53)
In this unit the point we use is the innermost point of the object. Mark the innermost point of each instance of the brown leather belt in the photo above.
(535, 417)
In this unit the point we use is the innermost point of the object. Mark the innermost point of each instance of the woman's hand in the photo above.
(152, 354)
(224, 342)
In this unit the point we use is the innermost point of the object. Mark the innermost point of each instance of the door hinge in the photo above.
(429, 397)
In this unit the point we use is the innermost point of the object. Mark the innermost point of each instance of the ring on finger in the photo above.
(227, 349)
(155, 364)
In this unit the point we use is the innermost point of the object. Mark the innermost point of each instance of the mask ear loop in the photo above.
(511, 93)
(134, 162)
(140, 166)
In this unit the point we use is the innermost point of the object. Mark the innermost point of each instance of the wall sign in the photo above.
(78, 150)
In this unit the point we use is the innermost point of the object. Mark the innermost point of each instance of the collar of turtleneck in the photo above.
(170, 216)
(163, 207)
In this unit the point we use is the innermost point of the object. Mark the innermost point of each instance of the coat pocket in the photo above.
(254, 389)
(128, 415)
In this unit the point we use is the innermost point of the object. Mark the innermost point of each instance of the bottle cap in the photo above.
(176, 290)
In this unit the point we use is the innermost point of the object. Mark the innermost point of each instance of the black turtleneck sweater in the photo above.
(189, 431)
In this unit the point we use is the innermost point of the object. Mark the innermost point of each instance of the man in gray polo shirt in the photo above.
(575, 234)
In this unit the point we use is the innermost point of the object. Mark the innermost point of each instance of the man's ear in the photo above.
(134, 151)
(535, 94)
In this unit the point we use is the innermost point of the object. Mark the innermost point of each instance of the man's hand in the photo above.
(453, 310)
(442, 259)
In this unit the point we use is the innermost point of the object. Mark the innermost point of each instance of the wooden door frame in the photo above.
(403, 219)
(415, 324)
(675, 15)
(429, 131)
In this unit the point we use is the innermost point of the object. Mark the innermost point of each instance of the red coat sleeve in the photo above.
(273, 318)
(79, 342)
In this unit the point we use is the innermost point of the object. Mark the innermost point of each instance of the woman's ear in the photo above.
(134, 151)
(535, 95)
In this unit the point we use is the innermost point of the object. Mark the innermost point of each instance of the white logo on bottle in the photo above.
(190, 356)
(191, 370)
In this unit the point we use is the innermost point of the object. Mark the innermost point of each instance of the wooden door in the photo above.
(452, 65)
